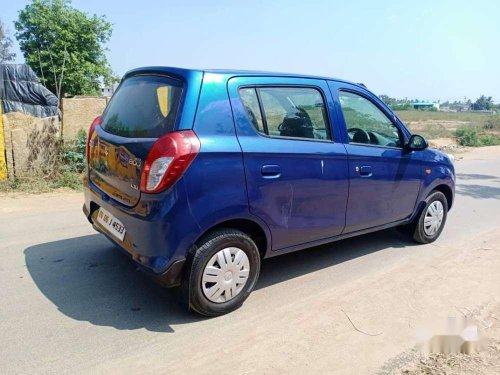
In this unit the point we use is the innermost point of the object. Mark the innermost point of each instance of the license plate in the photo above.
(111, 223)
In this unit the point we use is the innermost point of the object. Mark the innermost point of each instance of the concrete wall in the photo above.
(79, 112)
(30, 142)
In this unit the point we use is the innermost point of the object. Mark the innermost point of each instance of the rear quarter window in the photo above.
(145, 106)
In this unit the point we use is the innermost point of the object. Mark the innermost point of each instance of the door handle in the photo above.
(364, 170)
(271, 171)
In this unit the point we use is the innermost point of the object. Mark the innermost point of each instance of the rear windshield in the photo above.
(144, 106)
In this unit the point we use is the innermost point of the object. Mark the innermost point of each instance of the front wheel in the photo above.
(427, 227)
(224, 270)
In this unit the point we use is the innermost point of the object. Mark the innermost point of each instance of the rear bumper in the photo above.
(169, 278)
(152, 241)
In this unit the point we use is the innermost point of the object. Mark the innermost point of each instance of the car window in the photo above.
(366, 123)
(274, 111)
(287, 111)
(251, 103)
(144, 106)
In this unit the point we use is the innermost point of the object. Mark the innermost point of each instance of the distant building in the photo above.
(108, 91)
(425, 105)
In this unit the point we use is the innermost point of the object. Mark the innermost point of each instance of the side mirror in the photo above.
(416, 143)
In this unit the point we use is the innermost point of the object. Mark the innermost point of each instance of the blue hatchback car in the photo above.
(199, 175)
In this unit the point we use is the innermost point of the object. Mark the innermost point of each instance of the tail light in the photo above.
(97, 121)
(168, 159)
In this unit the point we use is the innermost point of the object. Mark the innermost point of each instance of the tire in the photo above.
(420, 230)
(220, 250)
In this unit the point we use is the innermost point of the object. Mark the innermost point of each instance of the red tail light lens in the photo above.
(97, 121)
(168, 159)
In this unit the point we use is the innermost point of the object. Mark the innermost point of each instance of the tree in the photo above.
(65, 46)
(396, 104)
(6, 54)
(483, 103)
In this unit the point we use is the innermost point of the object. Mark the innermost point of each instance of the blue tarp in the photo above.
(21, 91)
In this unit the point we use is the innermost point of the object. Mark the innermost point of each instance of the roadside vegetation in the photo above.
(466, 128)
(66, 47)
(66, 172)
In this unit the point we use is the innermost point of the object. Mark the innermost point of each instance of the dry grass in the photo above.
(37, 183)
(465, 117)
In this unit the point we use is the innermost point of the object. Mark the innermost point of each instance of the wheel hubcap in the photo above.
(433, 218)
(225, 274)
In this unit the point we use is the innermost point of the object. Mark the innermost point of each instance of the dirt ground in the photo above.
(70, 303)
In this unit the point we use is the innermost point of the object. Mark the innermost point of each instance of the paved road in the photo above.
(70, 303)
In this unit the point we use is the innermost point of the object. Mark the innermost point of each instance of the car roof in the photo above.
(233, 72)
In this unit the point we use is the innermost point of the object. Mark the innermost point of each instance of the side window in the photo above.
(298, 112)
(366, 123)
(251, 104)
(274, 110)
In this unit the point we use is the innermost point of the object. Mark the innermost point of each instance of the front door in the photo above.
(296, 174)
(384, 177)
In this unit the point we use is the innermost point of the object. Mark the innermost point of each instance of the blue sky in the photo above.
(415, 49)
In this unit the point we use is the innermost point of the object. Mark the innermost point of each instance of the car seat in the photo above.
(296, 123)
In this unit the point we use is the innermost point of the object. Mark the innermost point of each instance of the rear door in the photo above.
(384, 178)
(296, 173)
(143, 109)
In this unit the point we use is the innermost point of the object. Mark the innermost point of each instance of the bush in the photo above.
(72, 153)
(489, 140)
(467, 137)
(471, 137)
(70, 180)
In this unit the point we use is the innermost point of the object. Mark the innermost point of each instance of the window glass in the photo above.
(143, 107)
(251, 104)
(366, 123)
(275, 112)
(295, 112)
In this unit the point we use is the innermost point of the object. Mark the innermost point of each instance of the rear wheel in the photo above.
(428, 226)
(224, 270)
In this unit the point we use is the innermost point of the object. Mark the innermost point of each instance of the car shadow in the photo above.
(478, 191)
(90, 280)
(288, 266)
(475, 176)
